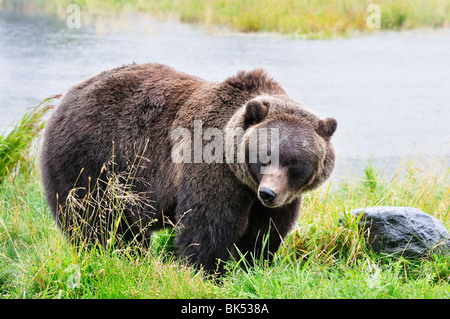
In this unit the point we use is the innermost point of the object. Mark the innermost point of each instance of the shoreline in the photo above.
(292, 19)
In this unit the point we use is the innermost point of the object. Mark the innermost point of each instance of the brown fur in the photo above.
(130, 112)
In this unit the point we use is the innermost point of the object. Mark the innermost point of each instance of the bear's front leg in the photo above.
(209, 221)
(267, 227)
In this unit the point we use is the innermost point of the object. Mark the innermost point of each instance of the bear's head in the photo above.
(279, 148)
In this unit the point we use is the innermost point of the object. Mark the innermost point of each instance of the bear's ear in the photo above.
(255, 112)
(327, 127)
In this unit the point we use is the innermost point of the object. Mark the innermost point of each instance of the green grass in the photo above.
(320, 259)
(304, 18)
(15, 147)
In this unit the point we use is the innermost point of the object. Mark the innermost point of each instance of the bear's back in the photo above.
(153, 86)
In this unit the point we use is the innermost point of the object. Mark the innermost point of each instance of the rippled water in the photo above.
(390, 92)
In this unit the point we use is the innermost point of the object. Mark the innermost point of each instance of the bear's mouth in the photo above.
(267, 201)
(270, 205)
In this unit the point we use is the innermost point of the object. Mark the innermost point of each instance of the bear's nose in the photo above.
(267, 195)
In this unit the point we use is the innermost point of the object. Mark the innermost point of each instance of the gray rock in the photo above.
(406, 231)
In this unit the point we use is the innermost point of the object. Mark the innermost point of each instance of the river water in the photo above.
(389, 91)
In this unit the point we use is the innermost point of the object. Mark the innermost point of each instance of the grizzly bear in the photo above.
(234, 186)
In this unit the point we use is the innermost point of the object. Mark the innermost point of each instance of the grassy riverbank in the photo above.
(319, 259)
(311, 19)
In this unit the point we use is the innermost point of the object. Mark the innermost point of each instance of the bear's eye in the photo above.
(293, 162)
